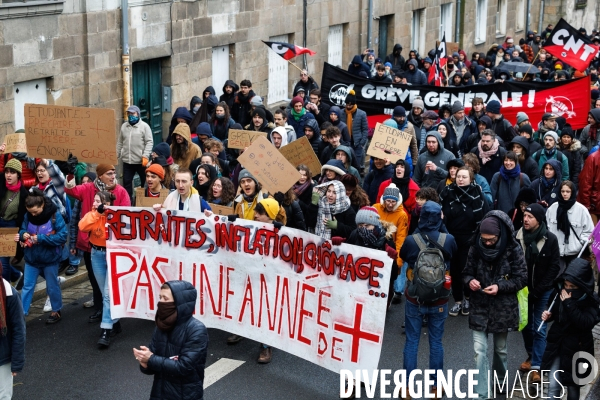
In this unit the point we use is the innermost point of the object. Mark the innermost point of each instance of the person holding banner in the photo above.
(177, 352)
(303, 188)
(221, 192)
(186, 197)
(251, 194)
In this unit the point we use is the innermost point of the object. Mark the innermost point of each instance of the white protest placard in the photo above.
(15, 143)
(388, 142)
(287, 288)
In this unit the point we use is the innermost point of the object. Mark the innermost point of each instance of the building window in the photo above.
(501, 12)
(579, 4)
(521, 13)
(335, 45)
(481, 22)
(418, 31)
(278, 73)
(446, 22)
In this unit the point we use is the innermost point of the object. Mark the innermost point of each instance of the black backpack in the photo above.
(429, 271)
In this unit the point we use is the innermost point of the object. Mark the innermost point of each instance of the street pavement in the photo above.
(63, 361)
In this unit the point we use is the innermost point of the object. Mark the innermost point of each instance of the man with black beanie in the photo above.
(527, 131)
(542, 255)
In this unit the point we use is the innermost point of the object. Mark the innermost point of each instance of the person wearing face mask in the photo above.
(507, 183)
(195, 105)
(134, 146)
(463, 206)
(570, 221)
(541, 250)
(221, 121)
(177, 352)
(575, 313)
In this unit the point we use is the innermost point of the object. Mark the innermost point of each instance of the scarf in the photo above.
(349, 116)
(459, 127)
(328, 211)
(14, 188)
(101, 186)
(550, 153)
(548, 182)
(492, 254)
(299, 189)
(166, 315)
(423, 137)
(403, 183)
(47, 213)
(531, 239)
(43, 186)
(369, 237)
(299, 115)
(487, 155)
(593, 131)
(186, 203)
(508, 174)
(562, 216)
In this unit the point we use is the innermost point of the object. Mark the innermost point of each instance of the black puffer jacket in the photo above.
(182, 378)
(573, 319)
(573, 154)
(295, 216)
(499, 313)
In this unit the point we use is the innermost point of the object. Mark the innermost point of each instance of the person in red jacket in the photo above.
(106, 181)
(28, 176)
(408, 187)
(589, 186)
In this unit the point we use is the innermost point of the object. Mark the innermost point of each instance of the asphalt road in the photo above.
(63, 362)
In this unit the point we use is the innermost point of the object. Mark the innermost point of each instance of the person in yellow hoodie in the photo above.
(94, 223)
(390, 210)
(183, 150)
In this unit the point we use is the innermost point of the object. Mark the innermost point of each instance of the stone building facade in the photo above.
(68, 52)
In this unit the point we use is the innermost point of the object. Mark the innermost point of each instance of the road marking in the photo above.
(219, 369)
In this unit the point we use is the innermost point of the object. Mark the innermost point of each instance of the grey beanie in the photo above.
(457, 106)
(418, 103)
(246, 174)
(522, 117)
(256, 101)
(368, 215)
(553, 135)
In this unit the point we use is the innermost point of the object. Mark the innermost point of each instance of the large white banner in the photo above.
(286, 288)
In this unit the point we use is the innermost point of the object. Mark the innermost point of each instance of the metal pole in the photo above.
(457, 23)
(125, 66)
(527, 17)
(370, 25)
(304, 10)
(541, 18)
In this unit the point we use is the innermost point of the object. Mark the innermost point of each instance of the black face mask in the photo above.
(576, 293)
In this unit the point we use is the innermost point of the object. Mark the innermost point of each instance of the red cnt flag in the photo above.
(436, 72)
(570, 46)
(288, 51)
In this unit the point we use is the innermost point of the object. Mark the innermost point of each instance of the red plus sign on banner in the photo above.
(356, 332)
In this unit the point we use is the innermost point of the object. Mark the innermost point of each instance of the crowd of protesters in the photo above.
(508, 204)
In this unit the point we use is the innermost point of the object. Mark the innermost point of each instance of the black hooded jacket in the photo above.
(396, 59)
(181, 378)
(228, 98)
(528, 166)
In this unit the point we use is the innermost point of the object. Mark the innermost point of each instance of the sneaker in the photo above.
(61, 280)
(455, 310)
(47, 305)
(72, 270)
(525, 365)
(233, 339)
(466, 308)
(265, 355)
(54, 317)
(88, 304)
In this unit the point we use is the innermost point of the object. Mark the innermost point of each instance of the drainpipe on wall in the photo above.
(125, 66)
(304, 11)
(540, 23)
(528, 17)
(370, 25)
(457, 37)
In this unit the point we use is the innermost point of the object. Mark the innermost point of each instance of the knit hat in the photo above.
(260, 112)
(595, 93)
(271, 206)
(204, 129)
(392, 193)
(256, 101)
(246, 174)
(457, 106)
(553, 135)
(456, 162)
(567, 131)
(368, 215)
(162, 149)
(336, 166)
(430, 115)
(418, 103)
(391, 123)
(297, 99)
(101, 169)
(428, 60)
(157, 170)
(490, 226)
(14, 164)
(388, 64)
(455, 54)
(522, 117)
(493, 107)
(526, 129)
(509, 40)
(351, 97)
(399, 111)
(349, 181)
(537, 211)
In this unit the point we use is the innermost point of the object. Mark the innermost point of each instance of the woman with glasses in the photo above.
(463, 206)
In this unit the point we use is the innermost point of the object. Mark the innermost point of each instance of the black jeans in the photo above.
(129, 171)
(96, 293)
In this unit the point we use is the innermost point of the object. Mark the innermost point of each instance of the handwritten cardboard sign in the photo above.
(142, 201)
(301, 152)
(388, 142)
(57, 131)
(240, 139)
(269, 166)
(8, 246)
(220, 209)
(15, 143)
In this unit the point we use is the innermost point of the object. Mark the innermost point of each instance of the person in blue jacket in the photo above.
(357, 65)
(12, 337)
(298, 116)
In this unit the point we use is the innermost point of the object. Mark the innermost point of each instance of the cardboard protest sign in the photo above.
(57, 131)
(240, 139)
(221, 210)
(301, 152)
(286, 288)
(142, 201)
(8, 246)
(388, 142)
(269, 166)
(15, 143)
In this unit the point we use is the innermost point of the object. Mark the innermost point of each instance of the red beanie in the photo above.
(297, 99)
